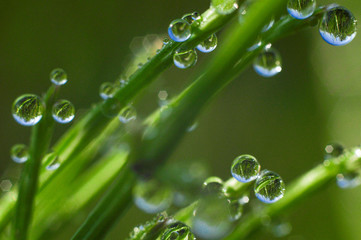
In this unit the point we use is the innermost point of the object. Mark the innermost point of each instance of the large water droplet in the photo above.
(245, 168)
(179, 30)
(213, 186)
(301, 9)
(185, 59)
(269, 187)
(177, 231)
(268, 63)
(107, 90)
(333, 150)
(211, 218)
(348, 180)
(128, 114)
(151, 196)
(28, 109)
(208, 45)
(63, 111)
(19, 153)
(338, 26)
(58, 76)
(224, 7)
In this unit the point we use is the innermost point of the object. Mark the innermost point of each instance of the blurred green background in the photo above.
(284, 121)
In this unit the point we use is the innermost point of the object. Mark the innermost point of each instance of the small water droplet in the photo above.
(235, 209)
(196, 16)
(107, 90)
(213, 186)
(58, 76)
(333, 150)
(255, 46)
(269, 187)
(224, 7)
(268, 25)
(268, 63)
(245, 168)
(53, 160)
(338, 26)
(19, 153)
(177, 231)
(185, 59)
(301, 9)
(188, 17)
(6, 185)
(208, 45)
(179, 30)
(128, 114)
(140, 65)
(28, 109)
(348, 180)
(165, 41)
(63, 111)
(192, 127)
(151, 196)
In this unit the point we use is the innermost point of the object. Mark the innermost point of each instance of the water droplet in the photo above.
(165, 41)
(58, 76)
(63, 111)
(53, 161)
(196, 16)
(211, 218)
(280, 228)
(213, 186)
(28, 109)
(268, 63)
(188, 17)
(208, 45)
(192, 127)
(6, 185)
(151, 196)
(107, 90)
(177, 231)
(268, 25)
(179, 30)
(128, 114)
(301, 9)
(269, 187)
(348, 180)
(245, 168)
(235, 209)
(333, 150)
(338, 26)
(19, 153)
(255, 46)
(185, 59)
(224, 7)
(111, 107)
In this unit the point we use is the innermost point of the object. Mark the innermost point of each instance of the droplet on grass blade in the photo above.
(19, 153)
(63, 111)
(58, 77)
(179, 30)
(185, 59)
(301, 9)
(28, 109)
(268, 63)
(208, 45)
(269, 187)
(245, 168)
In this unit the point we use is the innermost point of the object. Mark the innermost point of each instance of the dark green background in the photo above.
(284, 121)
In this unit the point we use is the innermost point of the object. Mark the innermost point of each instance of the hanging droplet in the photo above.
(63, 111)
(213, 186)
(338, 26)
(185, 59)
(235, 209)
(348, 180)
(179, 30)
(28, 109)
(58, 76)
(53, 161)
(245, 168)
(333, 150)
(19, 153)
(224, 7)
(268, 63)
(211, 218)
(269, 187)
(208, 45)
(151, 196)
(128, 114)
(177, 231)
(107, 90)
(301, 9)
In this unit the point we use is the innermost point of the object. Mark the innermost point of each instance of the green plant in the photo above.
(152, 141)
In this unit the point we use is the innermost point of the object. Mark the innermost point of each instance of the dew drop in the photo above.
(151, 196)
(224, 7)
(211, 218)
(269, 187)
(245, 168)
(208, 45)
(63, 111)
(107, 90)
(128, 114)
(188, 17)
(28, 109)
(177, 231)
(235, 209)
(268, 25)
(19, 153)
(185, 59)
(58, 77)
(301, 9)
(338, 26)
(53, 161)
(268, 63)
(213, 186)
(179, 30)
(348, 180)
(192, 127)
(165, 41)
(333, 150)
